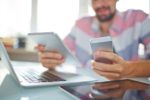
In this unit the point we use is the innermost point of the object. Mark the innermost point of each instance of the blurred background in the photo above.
(19, 17)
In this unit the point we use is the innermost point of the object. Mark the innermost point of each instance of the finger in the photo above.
(53, 55)
(109, 55)
(49, 66)
(108, 74)
(40, 48)
(51, 61)
(107, 67)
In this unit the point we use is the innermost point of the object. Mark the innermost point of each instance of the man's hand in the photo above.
(49, 59)
(117, 69)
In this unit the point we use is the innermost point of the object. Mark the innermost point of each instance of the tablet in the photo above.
(112, 90)
(52, 42)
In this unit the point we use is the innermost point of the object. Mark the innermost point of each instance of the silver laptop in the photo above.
(31, 76)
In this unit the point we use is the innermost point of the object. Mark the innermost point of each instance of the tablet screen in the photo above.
(116, 90)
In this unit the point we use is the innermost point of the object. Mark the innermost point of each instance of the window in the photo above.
(20, 17)
(14, 17)
(57, 15)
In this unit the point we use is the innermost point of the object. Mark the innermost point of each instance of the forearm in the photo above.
(139, 68)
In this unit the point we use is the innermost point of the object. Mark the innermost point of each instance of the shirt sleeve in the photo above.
(70, 40)
(145, 36)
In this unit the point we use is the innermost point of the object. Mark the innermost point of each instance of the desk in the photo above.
(10, 90)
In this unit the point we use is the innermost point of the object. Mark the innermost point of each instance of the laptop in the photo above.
(33, 76)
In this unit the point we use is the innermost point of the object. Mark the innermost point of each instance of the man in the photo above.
(127, 30)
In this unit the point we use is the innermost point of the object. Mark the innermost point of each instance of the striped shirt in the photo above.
(129, 29)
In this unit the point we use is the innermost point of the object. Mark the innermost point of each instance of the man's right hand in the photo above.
(49, 59)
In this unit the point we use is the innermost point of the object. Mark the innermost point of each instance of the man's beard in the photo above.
(105, 18)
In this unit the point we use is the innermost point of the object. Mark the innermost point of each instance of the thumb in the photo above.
(108, 55)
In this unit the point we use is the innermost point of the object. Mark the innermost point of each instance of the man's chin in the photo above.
(105, 18)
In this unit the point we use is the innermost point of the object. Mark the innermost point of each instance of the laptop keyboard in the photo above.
(36, 77)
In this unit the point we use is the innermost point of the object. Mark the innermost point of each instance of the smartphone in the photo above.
(103, 44)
